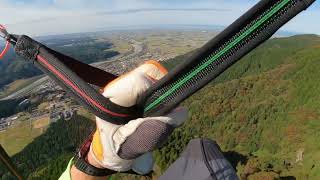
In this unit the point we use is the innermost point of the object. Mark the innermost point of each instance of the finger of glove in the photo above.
(147, 134)
(143, 164)
(125, 90)
(153, 69)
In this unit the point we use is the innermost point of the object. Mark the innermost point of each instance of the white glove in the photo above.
(124, 147)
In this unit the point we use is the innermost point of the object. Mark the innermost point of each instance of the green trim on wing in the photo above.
(212, 59)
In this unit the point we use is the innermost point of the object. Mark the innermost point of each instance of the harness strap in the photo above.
(240, 38)
(77, 79)
(248, 32)
(89, 74)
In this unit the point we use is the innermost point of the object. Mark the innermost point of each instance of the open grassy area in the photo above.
(41, 123)
(121, 46)
(17, 85)
(23, 133)
(17, 137)
(85, 113)
(172, 43)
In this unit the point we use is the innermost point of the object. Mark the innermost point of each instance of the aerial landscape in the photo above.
(264, 111)
(29, 106)
(269, 78)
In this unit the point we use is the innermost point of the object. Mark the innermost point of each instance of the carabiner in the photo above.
(4, 34)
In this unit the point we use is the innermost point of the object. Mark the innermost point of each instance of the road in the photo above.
(138, 49)
(27, 89)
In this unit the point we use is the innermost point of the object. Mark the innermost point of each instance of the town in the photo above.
(53, 105)
(44, 102)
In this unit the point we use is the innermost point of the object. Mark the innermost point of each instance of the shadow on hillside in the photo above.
(288, 178)
(60, 139)
(235, 158)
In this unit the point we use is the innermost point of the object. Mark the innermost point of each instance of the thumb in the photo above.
(125, 90)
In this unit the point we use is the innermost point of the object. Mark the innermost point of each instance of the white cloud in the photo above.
(68, 16)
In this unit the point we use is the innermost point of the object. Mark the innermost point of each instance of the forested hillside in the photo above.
(13, 68)
(264, 112)
(47, 156)
(9, 107)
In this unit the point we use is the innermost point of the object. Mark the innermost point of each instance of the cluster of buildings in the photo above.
(5, 123)
(58, 108)
(65, 114)
(48, 91)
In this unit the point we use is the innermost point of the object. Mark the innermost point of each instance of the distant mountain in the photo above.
(201, 27)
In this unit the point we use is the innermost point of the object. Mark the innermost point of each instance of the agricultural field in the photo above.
(16, 86)
(20, 135)
(168, 44)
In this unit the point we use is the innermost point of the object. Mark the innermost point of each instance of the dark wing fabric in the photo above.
(201, 160)
(89, 74)
(74, 77)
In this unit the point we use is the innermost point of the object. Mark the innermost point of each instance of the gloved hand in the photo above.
(124, 147)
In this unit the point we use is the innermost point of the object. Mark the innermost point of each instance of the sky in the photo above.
(45, 17)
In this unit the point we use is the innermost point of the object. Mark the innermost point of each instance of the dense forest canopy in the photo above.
(263, 112)
(9, 107)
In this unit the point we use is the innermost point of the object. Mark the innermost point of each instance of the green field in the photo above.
(173, 43)
(121, 46)
(17, 85)
(16, 138)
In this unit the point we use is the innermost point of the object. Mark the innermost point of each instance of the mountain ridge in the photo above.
(264, 109)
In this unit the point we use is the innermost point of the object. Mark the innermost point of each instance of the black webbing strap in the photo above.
(244, 35)
(74, 77)
(89, 74)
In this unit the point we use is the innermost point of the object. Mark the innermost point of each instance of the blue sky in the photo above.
(42, 17)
